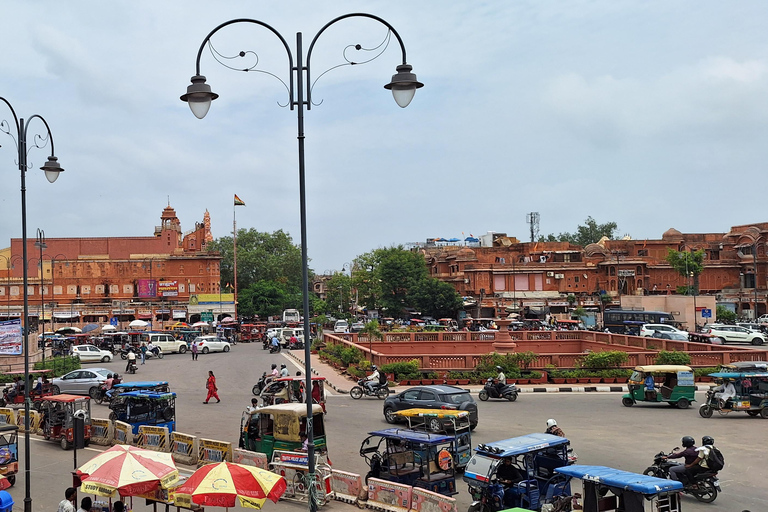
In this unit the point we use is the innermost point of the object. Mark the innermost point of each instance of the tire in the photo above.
(112, 416)
(764, 413)
(2, 402)
(123, 356)
(226, 348)
(93, 392)
(99, 399)
(356, 392)
(168, 413)
(86, 443)
(255, 390)
(160, 355)
(683, 403)
(382, 393)
(722, 340)
(106, 359)
(653, 471)
(511, 397)
(758, 340)
(483, 395)
(206, 350)
(389, 415)
(706, 493)
(472, 426)
(753, 413)
(55, 390)
(627, 402)
(705, 411)
(434, 425)
(65, 445)
(182, 349)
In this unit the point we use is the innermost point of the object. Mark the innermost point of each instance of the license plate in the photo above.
(716, 483)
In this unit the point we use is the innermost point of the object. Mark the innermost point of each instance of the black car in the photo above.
(431, 397)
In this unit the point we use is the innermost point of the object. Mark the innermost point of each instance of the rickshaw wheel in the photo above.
(627, 402)
(764, 413)
(683, 403)
(64, 444)
(705, 411)
(434, 425)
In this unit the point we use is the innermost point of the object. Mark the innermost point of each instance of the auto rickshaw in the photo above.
(277, 427)
(444, 421)
(751, 394)
(145, 408)
(291, 389)
(411, 457)
(673, 384)
(159, 386)
(9, 452)
(605, 489)
(57, 422)
(534, 458)
(10, 398)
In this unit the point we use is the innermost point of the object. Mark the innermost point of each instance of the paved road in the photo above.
(601, 430)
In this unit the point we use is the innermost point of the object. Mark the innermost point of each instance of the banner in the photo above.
(168, 288)
(10, 337)
(213, 451)
(184, 448)
(147, 288)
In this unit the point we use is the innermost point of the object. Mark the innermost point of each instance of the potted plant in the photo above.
(608, 377)
(571, 377)
(622, 376)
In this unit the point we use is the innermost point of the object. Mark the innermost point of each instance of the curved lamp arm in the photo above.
(51, 167)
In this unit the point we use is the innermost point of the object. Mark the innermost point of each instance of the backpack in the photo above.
(382, 378)
(715, 459)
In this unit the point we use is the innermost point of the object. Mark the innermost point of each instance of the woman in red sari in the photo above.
(212, 389)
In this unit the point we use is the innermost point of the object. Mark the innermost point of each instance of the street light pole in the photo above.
(19, 132)
(40, 244)
(199, 97)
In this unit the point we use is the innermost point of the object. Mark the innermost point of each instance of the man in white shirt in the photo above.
(68, 503)
(725, 391)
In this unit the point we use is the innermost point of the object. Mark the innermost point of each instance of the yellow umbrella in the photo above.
(127, 470)
(218, 485)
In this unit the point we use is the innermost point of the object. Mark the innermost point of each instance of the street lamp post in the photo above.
(7, 286)
(18, 132)
(199, 97)
(40, 244)
(695, 320)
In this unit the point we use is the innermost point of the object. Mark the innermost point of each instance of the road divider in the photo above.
(101, 432)
(213, 451)
(388, 496)
(184, 448)
(123, 433)
(152, 438)
(346, 486)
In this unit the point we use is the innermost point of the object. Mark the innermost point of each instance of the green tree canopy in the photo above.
(399, 270)
(435, 298)
(687, 264)
(588, 233)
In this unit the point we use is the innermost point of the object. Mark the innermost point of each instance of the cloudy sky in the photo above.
(650, 114)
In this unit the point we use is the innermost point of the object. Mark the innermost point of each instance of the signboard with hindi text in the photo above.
(10, 337)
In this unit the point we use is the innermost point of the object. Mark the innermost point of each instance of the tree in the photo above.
(399, 270)
(589, 233)
(687, 264)
(366, 280)
(337, 295)
(435, 298)
(267, 298)
(725, 315)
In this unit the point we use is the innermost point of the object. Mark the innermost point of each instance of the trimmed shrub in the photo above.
(673, 357)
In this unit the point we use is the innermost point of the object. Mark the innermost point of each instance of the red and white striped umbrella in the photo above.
(127, 470)
(219, 485)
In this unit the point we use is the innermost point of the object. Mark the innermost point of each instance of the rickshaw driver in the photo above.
(725, 391)
(501, 380)
(650, 387)
(507, 474)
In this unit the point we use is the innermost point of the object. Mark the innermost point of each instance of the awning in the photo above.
(66, 314)
(144, 316)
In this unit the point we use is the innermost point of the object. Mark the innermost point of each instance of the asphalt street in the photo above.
(601, 430)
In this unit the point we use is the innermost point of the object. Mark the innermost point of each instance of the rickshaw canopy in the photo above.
(414, 436)
(149, 394)
(431, 413)
(737, 375)
(520, 445)
(663, 368)
(645, 484)
(65, 398)
(291, 409)
(144, 384)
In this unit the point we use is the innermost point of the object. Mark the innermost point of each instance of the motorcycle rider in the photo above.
(688, 453)
(553, 429)
(501, 380)
(131, 359)
(275, 373)
(283, 370)
(275, 345)
(699, 465)
(372, 380)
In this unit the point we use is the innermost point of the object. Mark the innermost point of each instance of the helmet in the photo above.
(282, 365)
(707, 440)
(274, 366)
(688, 441)
(551, 423)
(498, 368)
(109, 376)
(374, 367)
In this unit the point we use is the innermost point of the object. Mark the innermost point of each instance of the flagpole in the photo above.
(234, 242)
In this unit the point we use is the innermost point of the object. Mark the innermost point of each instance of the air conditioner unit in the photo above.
(550, 274)
(559, 276)
(115, 303)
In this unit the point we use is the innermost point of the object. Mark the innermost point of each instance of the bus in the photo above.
(621, 321)
(291, 316)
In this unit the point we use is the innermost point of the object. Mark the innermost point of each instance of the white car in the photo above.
(88, 353)
(649, 329)
(207, 344)
(734, 333)
(341, 326)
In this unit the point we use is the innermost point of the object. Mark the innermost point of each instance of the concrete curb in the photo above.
(315, 372)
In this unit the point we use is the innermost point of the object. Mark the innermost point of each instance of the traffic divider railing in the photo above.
(102, 431)
(346, 487)
(249, 458)
(388, 496)
(423, 500)
(34, 420)
(7, 415)
(123, 433)
(210, 451)
(184, 448)
(152, 438)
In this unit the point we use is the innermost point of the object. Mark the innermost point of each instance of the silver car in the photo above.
(80, 382)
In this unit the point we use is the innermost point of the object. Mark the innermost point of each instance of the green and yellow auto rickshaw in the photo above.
(672, 384)
(278, 427)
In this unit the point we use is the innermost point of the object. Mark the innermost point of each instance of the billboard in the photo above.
(10, 338)
(168, 288)
(147, 288)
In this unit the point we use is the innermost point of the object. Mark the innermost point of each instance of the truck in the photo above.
(291, 316)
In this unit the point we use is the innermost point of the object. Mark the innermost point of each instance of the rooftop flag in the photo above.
(238, 201)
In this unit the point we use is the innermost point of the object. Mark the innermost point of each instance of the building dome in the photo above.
(466, 254)
(671, 234)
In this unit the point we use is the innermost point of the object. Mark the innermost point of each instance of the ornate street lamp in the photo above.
(199, 97)
(18, 132)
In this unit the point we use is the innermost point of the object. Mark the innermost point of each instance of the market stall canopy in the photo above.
(108, 327)
(222, 484)
(69, 330)
(138, 323)
(200, 324)
(90, 327)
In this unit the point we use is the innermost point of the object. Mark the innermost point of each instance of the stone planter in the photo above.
(571, 380)
(583, 380)
(523, 381)
(704, 379)
(558, 380)
(427, 382)
(463, 382)
(594, 380)
(622, 380)
(609, 380)
(452, 382)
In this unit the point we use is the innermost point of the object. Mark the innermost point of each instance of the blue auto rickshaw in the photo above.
(751, 387)
(145, 408)
(606, 488)
(107, 395)
(533, 457)
(411, 457)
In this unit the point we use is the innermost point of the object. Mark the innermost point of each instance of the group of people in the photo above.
(696, 459)
(17, 387)
(68, 504)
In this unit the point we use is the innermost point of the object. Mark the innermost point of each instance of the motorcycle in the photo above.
(509, 391)
(261, 384)
(704, 486)
(265, 343)
(102, 396)
(275, 348)
(381, 391)
(155, 352)
(124, 353)
(133, 367)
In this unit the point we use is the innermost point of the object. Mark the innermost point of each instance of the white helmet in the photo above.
(551, 423)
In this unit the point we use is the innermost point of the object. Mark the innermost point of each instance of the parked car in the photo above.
(432, 397)
(677, 336)
(649, 329)
(751, 326)
(341, 326)
(734, 333)
(207, 344)
(166, 342)
(80, 382)
(357, 327)
(88, 353)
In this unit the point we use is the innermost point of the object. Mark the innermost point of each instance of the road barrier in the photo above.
(34, 420)
(293, 466)
(423, 500)
(213, 451)
(249, 458)
(123, 433)
(184, 448)
(346, 486)
(389, 496)
(7, 415)
(102, 432)
(152, 438)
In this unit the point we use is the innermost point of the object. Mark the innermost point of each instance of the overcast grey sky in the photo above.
(653, 114)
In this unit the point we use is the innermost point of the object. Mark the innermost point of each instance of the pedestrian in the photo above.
(68, 503)
(85, 504)
(193, 349)
(119, 506)
(212, 389)
(143, 352)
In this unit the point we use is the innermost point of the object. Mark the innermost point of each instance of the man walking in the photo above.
(193, 349)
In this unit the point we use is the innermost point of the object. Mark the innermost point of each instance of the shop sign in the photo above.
(168, 288)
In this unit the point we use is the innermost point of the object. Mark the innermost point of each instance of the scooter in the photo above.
(704, 486)
(155, 352)
(381, 391)
(124, 352)
(133, 367)
(275, 348)
(509, 391)
(261, 384)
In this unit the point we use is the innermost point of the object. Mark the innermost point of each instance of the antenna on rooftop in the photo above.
(533, 220)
